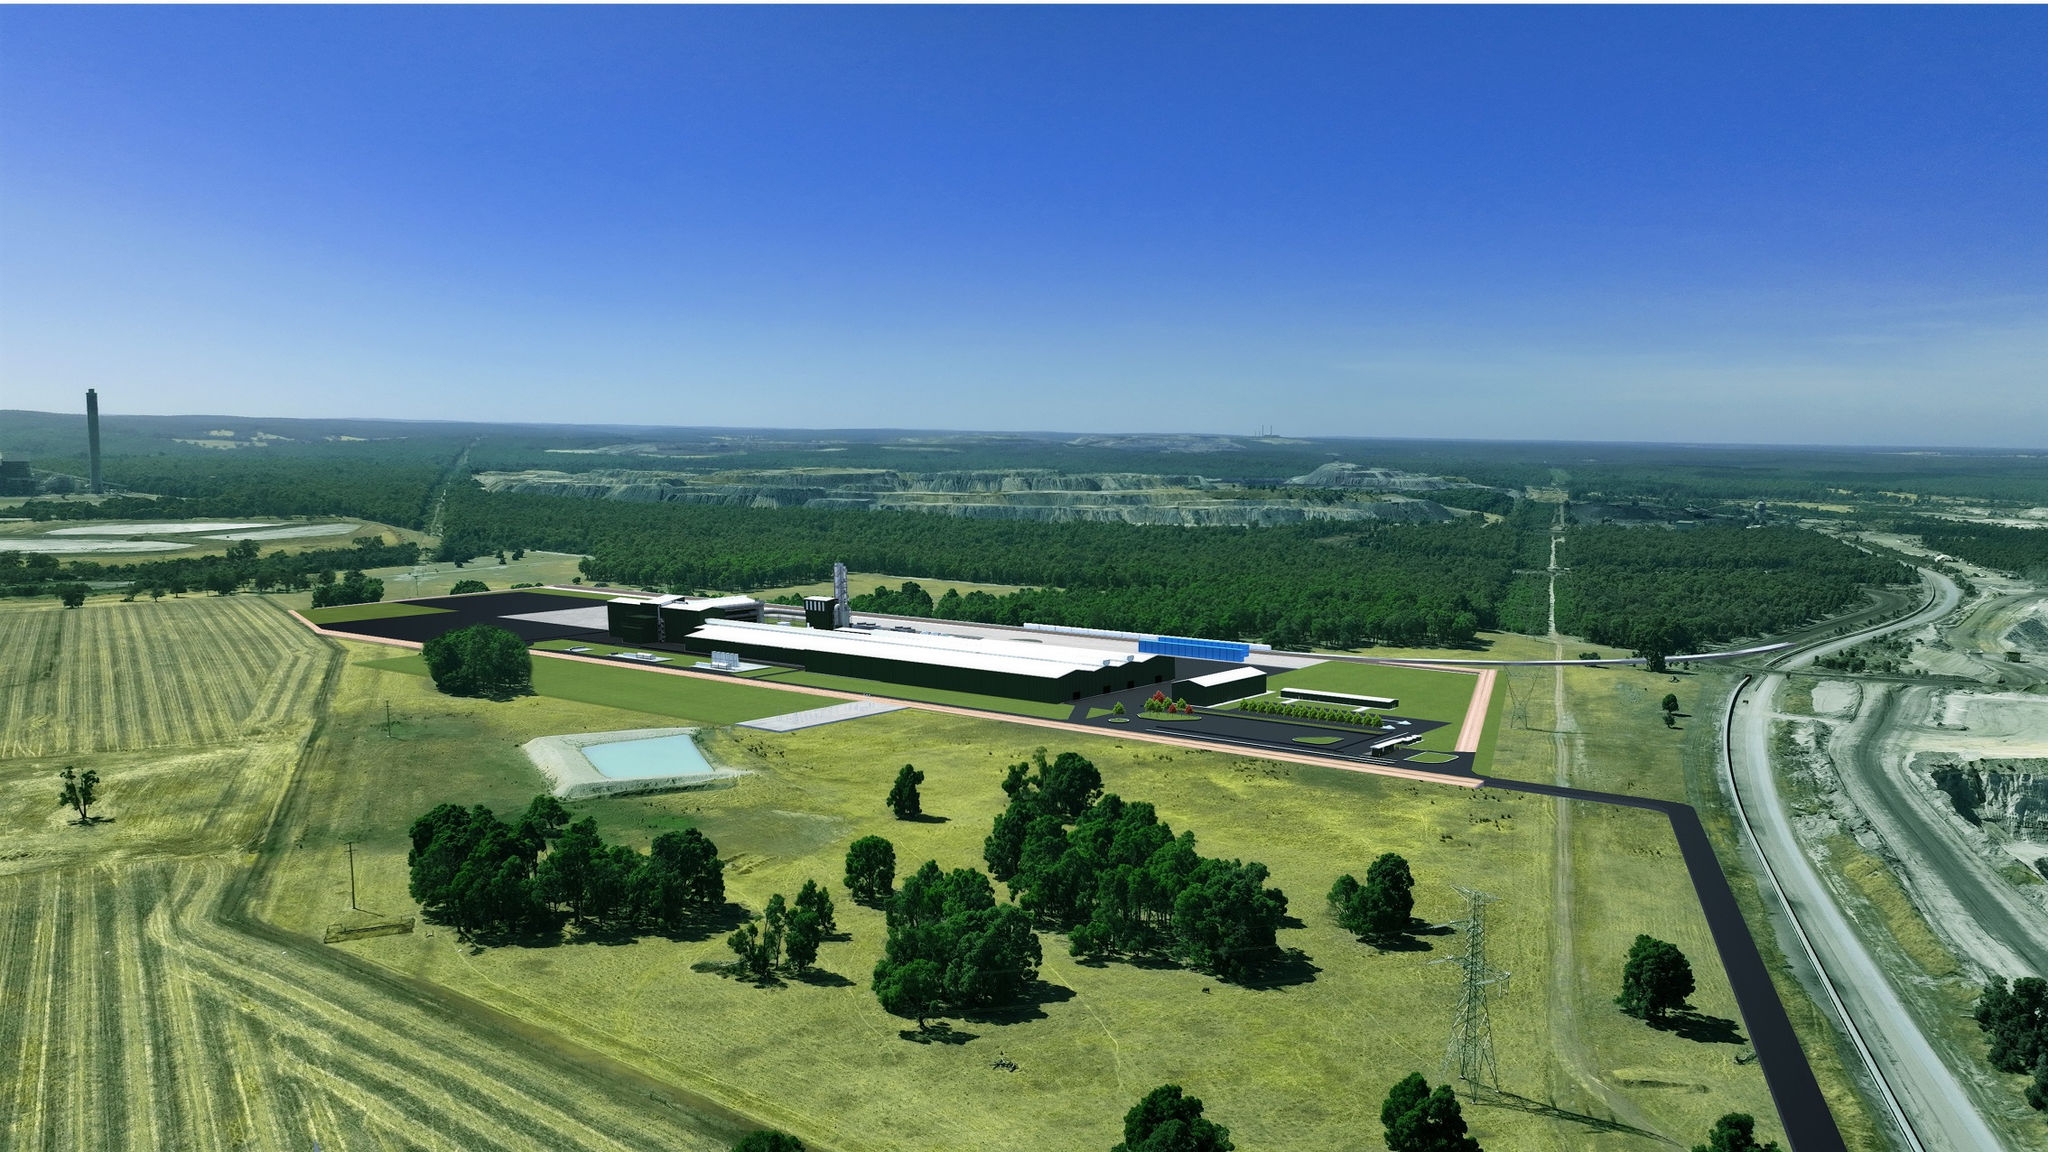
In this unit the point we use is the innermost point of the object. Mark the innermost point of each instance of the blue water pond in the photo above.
(638, 759)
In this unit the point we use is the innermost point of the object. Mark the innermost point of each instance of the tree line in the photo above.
(1119, 883)
(388, 492)
(241, 566)
(526, 879)
(1674, 592)
(1995, 546)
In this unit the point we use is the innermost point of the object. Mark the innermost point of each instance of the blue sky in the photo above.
(1818, 225)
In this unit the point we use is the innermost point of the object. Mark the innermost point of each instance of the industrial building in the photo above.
(667, 619)
(1222, 686)
(1019, 669)
(16, 479)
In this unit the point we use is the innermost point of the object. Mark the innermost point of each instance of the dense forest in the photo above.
(1672, 592)
(391, 490)
(2020, 550)
(1374, 582)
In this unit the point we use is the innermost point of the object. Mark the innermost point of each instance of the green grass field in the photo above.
(124, 915)
(704, 701)
(350, 613)
(1302, 1065)
(1424, 693)
(929, 695)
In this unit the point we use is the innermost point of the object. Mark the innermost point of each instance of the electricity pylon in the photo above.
(1469, 1055)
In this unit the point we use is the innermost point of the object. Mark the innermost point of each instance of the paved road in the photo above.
(1946, 877)
(1926, 1100)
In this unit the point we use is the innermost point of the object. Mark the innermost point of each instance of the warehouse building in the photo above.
(1222, 686)
(1019, 669)
(667, 619)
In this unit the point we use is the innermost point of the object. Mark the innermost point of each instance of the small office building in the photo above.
(667, 619)
(1018, 669)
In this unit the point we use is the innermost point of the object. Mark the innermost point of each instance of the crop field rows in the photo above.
(137, 1020)
(183, 672)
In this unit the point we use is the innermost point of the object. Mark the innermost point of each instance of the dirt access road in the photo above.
(1927, 1100)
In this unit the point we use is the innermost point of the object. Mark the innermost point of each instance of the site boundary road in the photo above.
(1926, 1077)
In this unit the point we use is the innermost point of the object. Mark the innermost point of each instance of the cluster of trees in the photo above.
(1656, 979)
(951, 947)
(479, 660)
(1382, 909)
(37, 573)
(2015, 1018)
(1404, 583)
(352, 588)
(1169, 1120)
(1995, 546)
(1663, 593)
(465, 587)
(1301, 710)
(786, 938)
(487, 878)
(1420, 1119)
(1119, 882)
(1157, 702)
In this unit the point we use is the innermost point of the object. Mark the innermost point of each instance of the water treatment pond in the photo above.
(637, 759)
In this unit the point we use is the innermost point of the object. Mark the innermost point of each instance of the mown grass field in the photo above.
(114, 677)
(1300, 1065)
(638, 689)
(350, 613)
(1049, 711)
(142, 1011)
(150, 1008)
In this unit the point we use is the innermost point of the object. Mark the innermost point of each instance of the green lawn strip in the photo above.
(1431, 758)
(1324, 740)
(686, 698)
(348, 613)
(1424, 693)
(928, 695)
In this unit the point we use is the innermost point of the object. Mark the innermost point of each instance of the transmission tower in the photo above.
(1469, 1055)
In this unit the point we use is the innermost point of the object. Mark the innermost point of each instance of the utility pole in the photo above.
(352, 877)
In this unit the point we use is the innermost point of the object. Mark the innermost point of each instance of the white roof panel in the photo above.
(1021, 658)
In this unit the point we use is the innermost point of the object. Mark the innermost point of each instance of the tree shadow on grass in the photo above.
(820, 978)
(1701, 1028)
(938, 1033)
(925, 818)
(707, 924)
(1030, 1005)
(1292, 967)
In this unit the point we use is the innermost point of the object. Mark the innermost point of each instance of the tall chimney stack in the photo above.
(92, 436)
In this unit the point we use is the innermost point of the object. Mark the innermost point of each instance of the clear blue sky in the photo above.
(1765, 225)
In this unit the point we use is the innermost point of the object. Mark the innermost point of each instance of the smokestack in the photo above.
(92, 436)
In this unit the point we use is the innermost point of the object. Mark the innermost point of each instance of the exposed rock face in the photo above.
(1340, 475)
(1121, 497)
(2010, 793)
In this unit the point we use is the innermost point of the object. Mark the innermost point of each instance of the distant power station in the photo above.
(92, 438)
